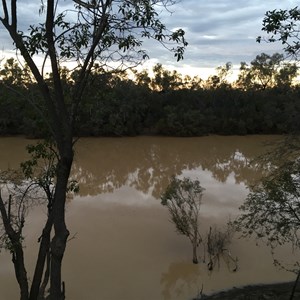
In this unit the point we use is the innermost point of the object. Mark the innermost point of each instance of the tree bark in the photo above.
(61, 233)
(195, 256)
(194, 240)
(46, 277)
(41, 260)
(20, 271)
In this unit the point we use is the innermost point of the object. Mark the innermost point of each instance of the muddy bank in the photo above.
(280, 291)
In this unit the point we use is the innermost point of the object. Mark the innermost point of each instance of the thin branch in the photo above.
(14, 15)
(88, 62)
(6, 18)
(4, 215)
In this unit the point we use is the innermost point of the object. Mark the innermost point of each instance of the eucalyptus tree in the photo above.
(220, 80)
(264, 68)
(84, 32)
(165, 80)
(266, 71)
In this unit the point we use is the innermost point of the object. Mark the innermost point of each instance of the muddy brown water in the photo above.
(124, 246)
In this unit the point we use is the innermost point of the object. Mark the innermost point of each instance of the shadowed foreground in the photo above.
(280, 291)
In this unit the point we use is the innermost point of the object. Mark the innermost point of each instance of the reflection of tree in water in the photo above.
(180, 277)
(185, 277)
(146, 163)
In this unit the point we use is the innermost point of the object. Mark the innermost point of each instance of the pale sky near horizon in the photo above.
(218, 31)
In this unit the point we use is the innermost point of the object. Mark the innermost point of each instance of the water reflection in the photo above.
(146, 163)
(180, 278)
(184, 278)
(132, 252)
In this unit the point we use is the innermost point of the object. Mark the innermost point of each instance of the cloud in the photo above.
(217, 31)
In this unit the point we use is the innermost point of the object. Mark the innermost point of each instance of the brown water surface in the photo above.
(124, 246)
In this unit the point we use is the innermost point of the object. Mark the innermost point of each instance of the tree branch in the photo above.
(88, 62)
(6, 17)
(60, 110)
(14, 15)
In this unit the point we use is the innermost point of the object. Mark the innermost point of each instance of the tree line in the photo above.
(264, 99)
(59, 106)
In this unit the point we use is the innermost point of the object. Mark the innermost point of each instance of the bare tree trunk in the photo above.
(46, 277)
(20, 271)
(58, 245)
(41, 260)
(195, 256)
(61, 233)
(194, 241)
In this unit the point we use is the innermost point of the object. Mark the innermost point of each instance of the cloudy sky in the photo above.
(218, 31)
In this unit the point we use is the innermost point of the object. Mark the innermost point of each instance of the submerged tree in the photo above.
(217, 246)
(85, 33)
(183, 199)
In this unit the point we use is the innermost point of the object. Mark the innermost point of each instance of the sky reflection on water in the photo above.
(124, 246)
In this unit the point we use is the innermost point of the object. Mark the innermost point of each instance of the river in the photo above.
(122, 244)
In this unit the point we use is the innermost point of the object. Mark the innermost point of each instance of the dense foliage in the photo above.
(263, 100)
(282, 25)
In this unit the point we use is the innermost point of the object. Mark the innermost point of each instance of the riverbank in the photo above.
(279, 291)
